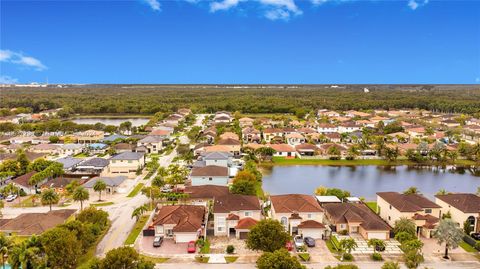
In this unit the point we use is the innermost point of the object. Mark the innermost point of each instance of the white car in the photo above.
(11, 198)
(298, 240)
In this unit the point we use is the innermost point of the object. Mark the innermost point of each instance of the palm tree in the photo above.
(448, 233)
(99, 186)
(81, 194)
(5, 245)
(27, 255)
(49, 197)
(442, 192)
(376, 243)
(139, 211)
(348, 244)
(411, 190)
(158, 181)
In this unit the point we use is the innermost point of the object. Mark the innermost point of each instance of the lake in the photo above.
(365, 181)
(112, 121)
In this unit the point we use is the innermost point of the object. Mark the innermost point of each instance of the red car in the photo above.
(191, 247)
(289, 245)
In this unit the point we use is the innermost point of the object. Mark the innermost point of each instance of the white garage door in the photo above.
(185, 237)
(314, 233)
(377, 235)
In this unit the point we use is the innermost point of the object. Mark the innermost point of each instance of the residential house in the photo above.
(294, 139)
(69, 163)
(45, 148)
(93, 166)
(235, 214)
(126, 163)
(89, 136)
(152, 143)
(356, 218)
(354, 113)
(245, 122)
(348, 127)
(417, 132)
(22, 182)
(299, 214)
(462, 207)
(209, 175)
(71, 149)
(333, 137)
(123, 147)
(222, 117)
(59, 184)
(283, 150)
(327, 128)
(223, 159)
(229, 135)
(271, 135)
(250, 134)
(28, 224)
(202, 194)
(112, 138)
(393, 205)
(182, 223)
(233, 149)
(114, 184)
(306, 149)
(450, 123)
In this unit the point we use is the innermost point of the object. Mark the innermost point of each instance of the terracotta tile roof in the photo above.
(272, 130)
(294, 203)
(206, 191)
(407, 202)
(246, 223)
(311, 224)
(187, 218)
(465, 202)
(229, 135)
(235, 202)
(36, 223)
(228, 141)
(282, 147)
(306, 147)
(232, 216)
(430, 221)
(339, 212)
(295, 216)
(210, 170)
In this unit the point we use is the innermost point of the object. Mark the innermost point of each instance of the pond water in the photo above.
(365, 181)
(112, 121)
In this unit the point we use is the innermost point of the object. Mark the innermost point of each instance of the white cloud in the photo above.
(7, 80)
(223, 5)
(19, 58)
(277, 14)
(154, 4)
(414, 4)
(280, 9)
(477, 80)
(318, 2)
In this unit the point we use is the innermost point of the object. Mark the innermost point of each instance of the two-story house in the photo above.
(462, 207)
(152, 143)
(300, 214)
(209, 175)
(182, 223)
(393, 205)
(126, 163)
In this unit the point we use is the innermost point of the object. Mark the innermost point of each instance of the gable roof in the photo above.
(23, 179)
(246, 223)
(465, 202)
(209, 170)
(69, 162)
(217, 155)
(128, 156)
(206, 191)
(235, 202)
(36, 223)
(228, 141)
(407, 202)
(290, 203)
(187, 218)
(311, 224)
(355, 212)
(110, 181)
(96, 162)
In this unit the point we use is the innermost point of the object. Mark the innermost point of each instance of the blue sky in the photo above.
(235, 41)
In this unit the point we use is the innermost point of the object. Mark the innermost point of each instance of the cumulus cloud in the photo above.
(19, 58)
(154, 4)
(414, 4)
(223, 5)
(280, 9)
(7, 80)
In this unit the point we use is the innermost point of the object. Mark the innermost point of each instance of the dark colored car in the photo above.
(475, 236)
(380, 248)
(157, 241)
(289, 245)
(310, 242)
(191, 247)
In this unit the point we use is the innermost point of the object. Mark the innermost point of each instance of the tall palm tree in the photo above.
(5, 245)
(27, 255)
(376, 243)
(49, 197)
(442, 192)
(139, 211)
(99, 186)
(411, 190)
(348, 245)
(81, 194)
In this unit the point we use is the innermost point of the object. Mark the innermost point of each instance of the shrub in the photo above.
(347, 257)
(230, 249)
(343, 232)
(334, 158)
(349, 158)
(304, 256)
(342, 266)
(377, 257)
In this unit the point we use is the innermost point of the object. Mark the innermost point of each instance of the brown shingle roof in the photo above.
(23, 179)
(229, 142)
(339, 212)
(407, 202)
(188, 218)
(36, 223)
(206, 191)
(465, 202)
(291, 203)
(311, 224)
(235, 202)
(210, 170)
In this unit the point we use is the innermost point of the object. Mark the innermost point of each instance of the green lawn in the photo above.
(231, 259)
(81, 155)
(102, 204)
(372, 206)
(259, 190)
(467, 247)
(206, 247)
(136, 230)
(202, 259)
(25, 202)
(136, 190)
(154, 259)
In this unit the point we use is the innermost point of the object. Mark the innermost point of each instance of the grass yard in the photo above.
(372, 206)
(154, 259)
(136, 230)
(231, 259)
(202, 259)
(259, 190)
(467, 247)
(25, 202)
(304, 256)
(136, 190)
(205, 249)
(102, 204)
(81, 155)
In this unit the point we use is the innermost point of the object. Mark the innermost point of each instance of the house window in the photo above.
(389, 218)
(343, 226)
(310, 216)
(390, 206)
(210, 178)
(428, 210)
(248, 213)
(284, 222)
(221, 224)
(169, 232)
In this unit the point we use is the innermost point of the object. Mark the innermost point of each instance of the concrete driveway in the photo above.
(321, 253)
(169, 247)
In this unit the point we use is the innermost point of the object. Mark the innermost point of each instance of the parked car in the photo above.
(289, 245)
(475, 236)
(191, 247)
(309, 241)
(11, 198)
(157, 241)
(380, 248)
(298, 240)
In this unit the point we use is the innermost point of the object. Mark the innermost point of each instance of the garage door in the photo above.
(314, 233)
(243, 235)
(379, 235)
(185, 238)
